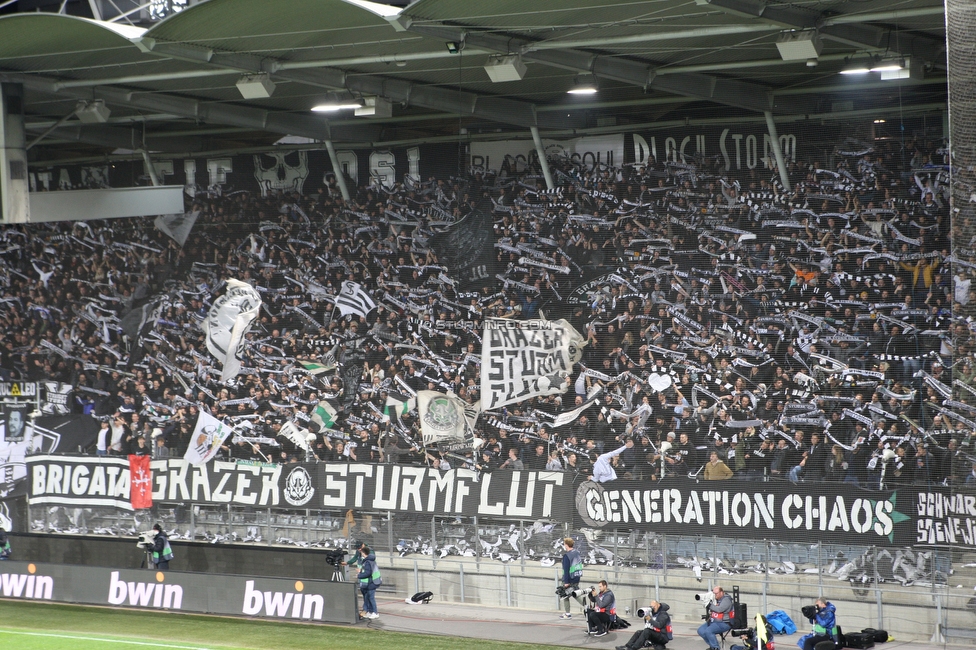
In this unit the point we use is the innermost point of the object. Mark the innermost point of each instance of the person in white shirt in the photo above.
(101, 445)
(602, 469)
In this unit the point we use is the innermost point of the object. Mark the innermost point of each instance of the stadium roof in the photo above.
(171, 84)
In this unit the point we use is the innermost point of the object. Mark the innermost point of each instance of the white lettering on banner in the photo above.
(484, 508)
(381, 502)
(945, 518)
(22, 585)
(18, 389)
(362, 472)
(518, 155)
(279, 604)
(600, 507)
(60, 480)
(144, 594)
(382, 168)
(105, 482)
(413, 480)
(675, 152)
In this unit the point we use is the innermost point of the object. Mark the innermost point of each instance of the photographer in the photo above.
(572, 572)
(161, 552)
(823, 616)
(753, 638)
(657, 628)
(718, 617)
(604, 610)
(4, 545)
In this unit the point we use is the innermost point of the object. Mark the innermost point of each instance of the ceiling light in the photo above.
(888, 65)
(331, 108)
(856, 68)
(584, 84)
(879, 121)
(256, 86)
(453, 47)
(799, 46)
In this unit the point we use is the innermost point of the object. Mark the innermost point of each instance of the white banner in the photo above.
(525, 359)
(228, 321)
(208, 435)
(442, 416)
(570, 416)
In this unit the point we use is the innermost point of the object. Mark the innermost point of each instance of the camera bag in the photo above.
(880, 636)
(859, 640)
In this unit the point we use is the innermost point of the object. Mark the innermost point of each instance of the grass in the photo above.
(24, 625)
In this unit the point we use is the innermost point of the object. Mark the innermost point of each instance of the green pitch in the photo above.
(37, 626)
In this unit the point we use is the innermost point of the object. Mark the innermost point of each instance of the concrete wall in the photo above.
(908, 613)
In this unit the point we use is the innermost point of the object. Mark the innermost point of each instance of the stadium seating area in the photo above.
(807, 335)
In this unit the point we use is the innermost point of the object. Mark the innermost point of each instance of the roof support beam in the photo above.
(836, 29)
(228, 114)
(125, 138)
(498, 109)
(730, 92)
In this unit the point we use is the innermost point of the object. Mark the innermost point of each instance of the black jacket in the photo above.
(660, 621)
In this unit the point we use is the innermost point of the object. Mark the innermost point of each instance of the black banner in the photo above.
(467, 249)
(833, 513)
(300, 171)
(829, 512)
(88, 481)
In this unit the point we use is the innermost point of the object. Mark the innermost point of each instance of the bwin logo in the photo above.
(145, 594)
(19, 585)
(276, 603)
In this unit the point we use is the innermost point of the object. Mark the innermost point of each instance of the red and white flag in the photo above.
(140, 482)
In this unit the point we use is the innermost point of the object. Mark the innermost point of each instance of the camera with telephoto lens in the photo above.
(709, 598)
(644, 612)
(743, 631)
(565, 593)
(147, 540)
(810, 611)
(335, 556)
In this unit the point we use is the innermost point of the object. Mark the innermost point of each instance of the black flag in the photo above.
(467, 248)
(352, 373)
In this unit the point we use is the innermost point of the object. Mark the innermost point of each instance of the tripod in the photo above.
(338, 574)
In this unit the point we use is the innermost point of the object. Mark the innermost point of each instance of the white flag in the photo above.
(228, 321)
(353, 299)
(296, 435)
(525, 359)
(444, 417)
(207, 437)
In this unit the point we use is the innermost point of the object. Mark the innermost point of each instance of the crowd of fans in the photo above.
(738, 329)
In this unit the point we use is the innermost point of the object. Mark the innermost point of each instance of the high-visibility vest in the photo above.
(167, 553)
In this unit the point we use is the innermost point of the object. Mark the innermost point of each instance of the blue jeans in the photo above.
(707, 631)
(369, 599)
